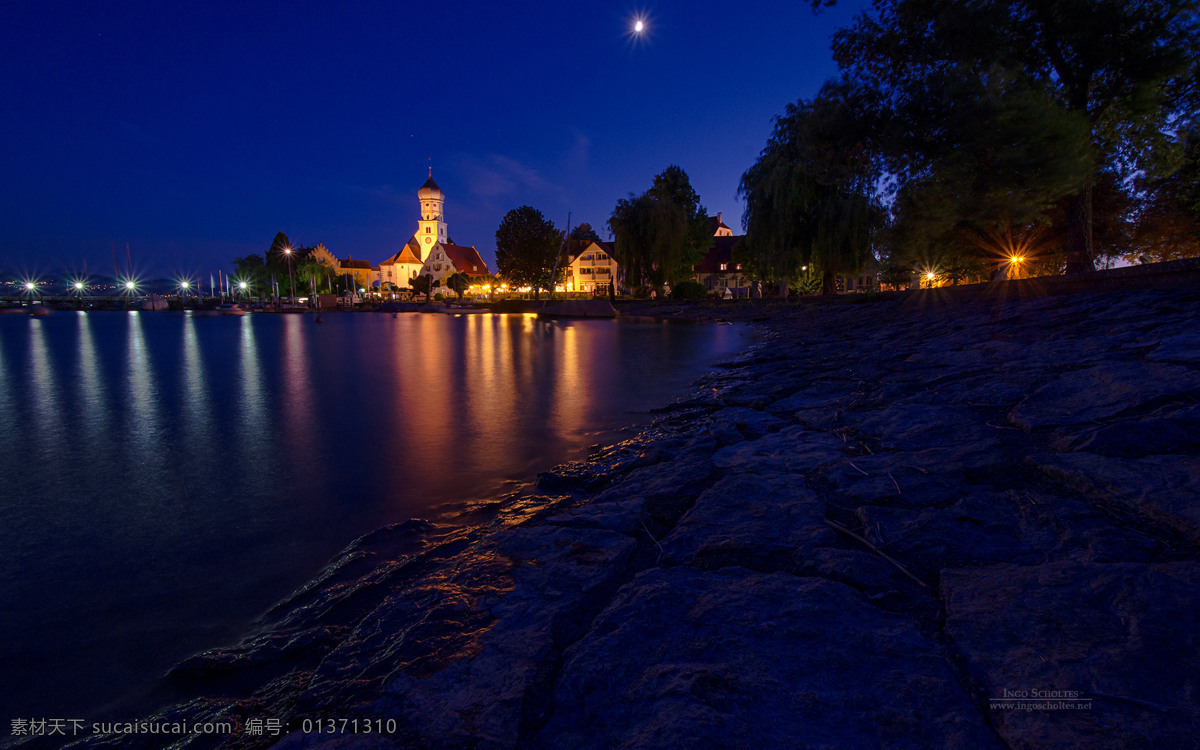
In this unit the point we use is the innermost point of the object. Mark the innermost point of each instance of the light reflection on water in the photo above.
(167, 477)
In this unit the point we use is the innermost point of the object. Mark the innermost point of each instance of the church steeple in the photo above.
(431, 228)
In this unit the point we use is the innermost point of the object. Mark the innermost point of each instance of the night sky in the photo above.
(195, 132)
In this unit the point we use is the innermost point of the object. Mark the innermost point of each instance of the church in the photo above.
(430, 252)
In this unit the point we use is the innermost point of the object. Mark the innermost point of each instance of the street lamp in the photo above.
(184, 285)
(291, 280)
(242, 288)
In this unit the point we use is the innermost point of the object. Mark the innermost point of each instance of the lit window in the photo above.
(723, 266)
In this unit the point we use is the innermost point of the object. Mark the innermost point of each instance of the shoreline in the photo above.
(877, 520)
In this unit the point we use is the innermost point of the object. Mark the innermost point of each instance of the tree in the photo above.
(252, 269)
(527, 246)
(311, 272)
(810, 196)
(1167, 223)
(584, 234)
(458, 283)
(661, 234)
(1125, 70)
(421, 284)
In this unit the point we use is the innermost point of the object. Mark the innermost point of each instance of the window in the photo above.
(738, 266)
(724, 266)
(428, 230)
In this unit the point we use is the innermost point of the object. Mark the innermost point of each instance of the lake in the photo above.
(166, 478)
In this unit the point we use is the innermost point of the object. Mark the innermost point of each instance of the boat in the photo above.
(464, 309)
(154, 303)
(232, 308)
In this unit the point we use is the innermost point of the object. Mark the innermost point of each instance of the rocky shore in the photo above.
(904, 523)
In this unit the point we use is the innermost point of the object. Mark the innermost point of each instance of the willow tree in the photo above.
(660, 235)
(810, 197)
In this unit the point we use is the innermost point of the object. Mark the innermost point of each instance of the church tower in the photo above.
(431, 229)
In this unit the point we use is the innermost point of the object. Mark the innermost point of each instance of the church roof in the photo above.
(351, 263)
(410, 253)
(430, 189)
(466, 260)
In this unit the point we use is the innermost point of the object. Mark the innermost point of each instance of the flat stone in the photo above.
(792, 450)
(822, 394)
(1182, 348)
(686, 658)
(1123, 635)
(561, 577)
(986, 528)
(1102, 392)
(1165, 489)
(1128, 438)
(750, 521)
(913, 427)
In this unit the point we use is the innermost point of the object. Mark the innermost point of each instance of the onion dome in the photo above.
(430, 190)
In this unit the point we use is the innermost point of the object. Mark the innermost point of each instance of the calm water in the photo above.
(166, 478)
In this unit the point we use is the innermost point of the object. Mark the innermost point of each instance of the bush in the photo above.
(439, 297)
(688, 290)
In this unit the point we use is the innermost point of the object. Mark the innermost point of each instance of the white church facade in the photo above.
(429, 252)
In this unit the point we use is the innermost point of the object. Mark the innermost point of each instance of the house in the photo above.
(718, 271)
(446, 259)
(590, 268)
(364, 274)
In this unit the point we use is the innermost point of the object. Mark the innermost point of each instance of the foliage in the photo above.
(1167, 224)
(253, 270)
(458, 283)
(810, 197)
(584, 234)
(527, 246)
(312, 273)
(1014, 77)
(439, 297)
(688, 289)
(662, 233)
(809, 282)
(420, 284)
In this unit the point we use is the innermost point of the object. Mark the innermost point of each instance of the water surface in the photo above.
(166, 478)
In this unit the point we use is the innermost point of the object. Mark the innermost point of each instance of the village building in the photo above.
(590, 268)
(718, 271)
(365, 275)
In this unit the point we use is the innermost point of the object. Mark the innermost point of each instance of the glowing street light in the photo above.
(291, 279)
(639, 26)
(242, 287)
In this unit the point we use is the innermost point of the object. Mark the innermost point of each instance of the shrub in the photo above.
(689, 290)
(439, 297)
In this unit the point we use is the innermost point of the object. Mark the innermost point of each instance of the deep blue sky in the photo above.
(195, 132)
